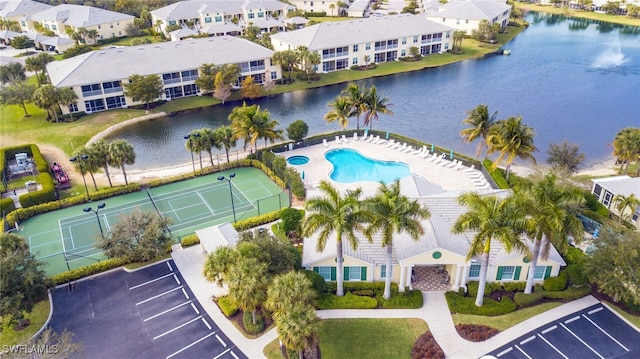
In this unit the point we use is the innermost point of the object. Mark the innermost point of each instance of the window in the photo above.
(539, 273)
(466, 21)
(342, 64)
(115, 102)
(444, 19)
(328, 273)
(367, 46)
(354, 61)
(354, 273)
(172, 22)
(207, 20)
(190, 90)
(507, 273)
(112, 86)
(94, 105)
(457, 21)
(355, 48)
(425, 50)
(383, 271)
(54, 27)
(260, 14)
(46, 26)
(607, 198)
(403, 53)
(251, 15)
(171, 78)
(111, 26)
(415, 39)
(446, 46)
(73, 107)
(91, 90)
(173, 92)
(474, 271)
(99, 27)
(311, 3)
(189, 75)
(218, 18)
(22, 23)
(404, 41)
(274, 75)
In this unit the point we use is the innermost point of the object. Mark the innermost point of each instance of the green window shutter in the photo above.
(333, 273)
(499, 275)
(516, 275)
(346, 273)
(547, 272)
(316, 269)
(363, 273)
(528, 270)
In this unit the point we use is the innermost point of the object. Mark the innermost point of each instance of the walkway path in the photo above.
(435, 312)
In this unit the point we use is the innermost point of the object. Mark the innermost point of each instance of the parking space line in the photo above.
(523, 353)
(151, 281)
(595, 310)
(196, 310)
(581, 341)
(206, 323)
(190, 345)
(185, 293)
(552, 346)
(159, 295)
(571, 320)
(527, 340)
(169, 265)
(176, 278)
(607, 334)
(166, 311)
(508, 350)
(221, 354)
(176, 328)
(234, 355)
(550, 329)
(220, 340)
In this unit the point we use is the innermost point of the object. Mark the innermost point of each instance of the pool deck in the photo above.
(318, 168)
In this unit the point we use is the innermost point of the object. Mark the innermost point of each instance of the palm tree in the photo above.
(286, 59)
(491, 218)
(394, 213)
(334, 214)
(298, 327)
(224, 137)
(38, 63)
(99, 151)
(289, 289)
(121, 153)
(622, 203)
(356, 98)
(374, 106)
(626, 147)
(479, 122)
(511, 138)
(250, 123)
(551, 214)
(89, 164)
(209, 141)
(340, 111)
(93, 35)
(66, 96)
(248, 285)
(219, 263)
(196, 143)
(46, 97)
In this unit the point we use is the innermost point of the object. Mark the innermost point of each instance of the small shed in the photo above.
(217, 236)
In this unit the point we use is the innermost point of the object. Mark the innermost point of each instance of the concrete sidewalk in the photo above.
(435, 312)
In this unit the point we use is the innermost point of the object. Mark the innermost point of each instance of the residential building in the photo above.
(438, 256)
(369, 40)
(330, 7)
(97, 77)
(358, 8)
(466, 14)
(20, 11)
(606, 189)
(222, 17)
(106, 23)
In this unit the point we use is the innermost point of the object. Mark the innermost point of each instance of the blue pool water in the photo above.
(350, 166)
(298, 160)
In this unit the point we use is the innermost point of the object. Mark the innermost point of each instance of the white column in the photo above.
(465, 274)
(408, 277)
(402, 280)
(456, 285)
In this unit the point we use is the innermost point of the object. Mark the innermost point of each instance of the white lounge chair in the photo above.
(344, 139)
(426, 153)
(338, 140)
(324, 142)
(401, 148)
(470, 169)
(452, 164)
(391, 143)
(364, 136)
(371, 138)
(458, 167)
(355, 136)
(396, 146)
(381, 141)
(408, 149)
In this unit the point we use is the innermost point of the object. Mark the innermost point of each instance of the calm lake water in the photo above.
(568, 78)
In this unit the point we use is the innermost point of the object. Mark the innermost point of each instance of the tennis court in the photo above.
(65, 239)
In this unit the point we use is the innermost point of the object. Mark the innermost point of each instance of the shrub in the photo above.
(190, 240)
(575, 255)
(247, 320)
(315, 14)
(363, 292)
(490, 307)
(317, 282)
(496, 174)
(556, 283)
(291, 219)
(571, 293)
(86, 271)
(539, 293)
(348, 301)
(527, 300)
(472, 288)
(514, 286)
(408, 300)
(248, 223)
(226, 307)
(377, 287)
(575, 274)
(426, 347)
(7, 205)
(76, 50)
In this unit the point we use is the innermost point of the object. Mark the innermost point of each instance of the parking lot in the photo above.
(150, 313)
(595, 332)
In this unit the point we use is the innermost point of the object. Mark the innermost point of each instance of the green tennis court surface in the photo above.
(65, 239)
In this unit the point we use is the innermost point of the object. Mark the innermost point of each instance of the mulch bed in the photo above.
(476, 332)
(22, 325)
(237, 320)
(499, 294)
(426, 347)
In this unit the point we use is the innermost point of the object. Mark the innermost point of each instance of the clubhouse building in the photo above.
(97, 76)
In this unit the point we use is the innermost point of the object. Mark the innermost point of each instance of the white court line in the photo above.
(533, 337)
(581, 341)
(595, 310)
(571, 319)
(151, 281)
(190, 345)
(509, 349)
(159, 295)
(552, 346)
(185, 293)
(196, 310)
(221, 354)
(607, 334)
(220, 340)
(206, 203)
(64, 249)
(522, 351)
(169, 265)
(178, 327)
(234, 355)
(177, 280)
(106, 223)
(207, 324)
(166, 311)
(549, 329)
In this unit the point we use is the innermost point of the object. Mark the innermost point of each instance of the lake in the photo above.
(568, 78)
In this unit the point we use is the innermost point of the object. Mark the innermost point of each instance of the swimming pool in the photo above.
(298, 160)
(350, 166)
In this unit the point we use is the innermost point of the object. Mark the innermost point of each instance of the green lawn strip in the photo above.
(616, 19)
(133, 266)
(126, 41)
(505, 321)
(38, 317)
(634, 319)
(364, 338)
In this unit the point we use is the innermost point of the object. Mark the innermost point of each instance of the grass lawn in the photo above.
(616, 19)
(38, 316)
(330, 18)
(634, 319)
(505, 321)
(364, 338)
(126, 41)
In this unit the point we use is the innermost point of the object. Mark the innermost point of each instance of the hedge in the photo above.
(348, 301)
(315, 14)
(226, 307)
(244, 224)
(7, 205)
(190, 240)
(46, 194)
(496, 174)
(376, 287)
(317, 281)
(539, 293)
(31, 150)
(408, 300)
(556, 283)
(247, 320)
(472, 288)
(91, 269)
(467, 305)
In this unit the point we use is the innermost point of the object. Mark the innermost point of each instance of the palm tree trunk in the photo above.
(253, 316)
(26, 114)
(55, 114)
(106, 172)
(200, 157)
(339, 271)
(95, 185)
(387, 279)
(301, 354)
(484, 264)
(508, 170)
(227, 151)
(534, 262)
(124, 173)
(211, 158)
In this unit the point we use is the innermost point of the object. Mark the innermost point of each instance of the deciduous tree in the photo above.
(17, 94)
(297, 130)
(565, 156)
(143, 88)
(250, 89)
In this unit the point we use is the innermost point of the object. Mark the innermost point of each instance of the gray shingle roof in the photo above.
(21, 8)
(345, 33)
(192, 9)
(120, 63)
(79, 15)
(467, 9)
(623, 185)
